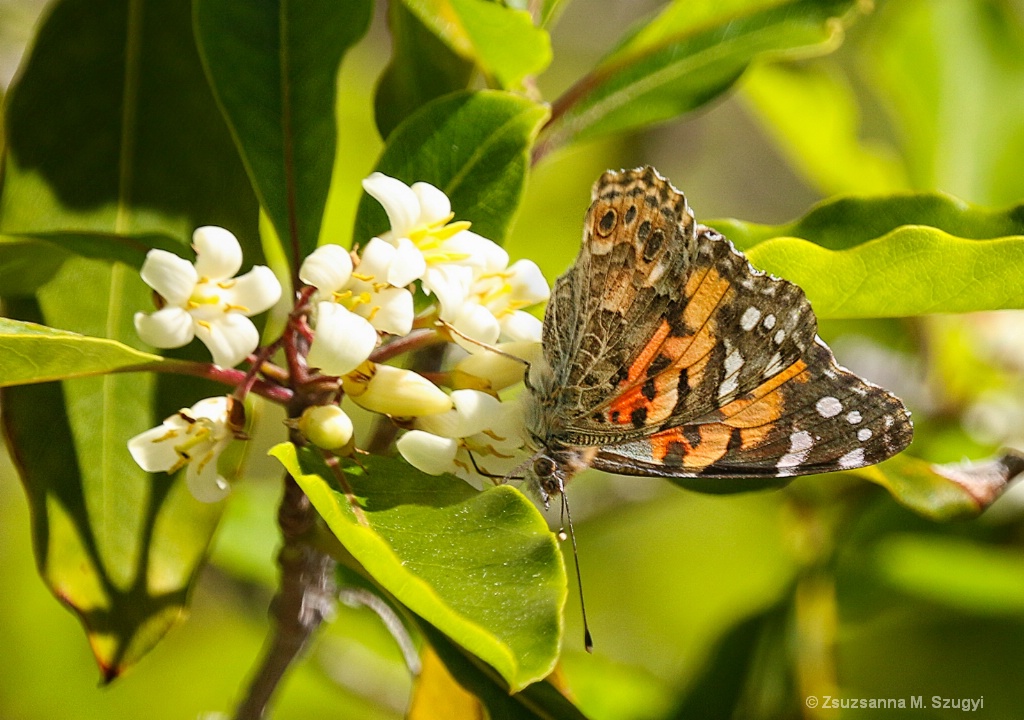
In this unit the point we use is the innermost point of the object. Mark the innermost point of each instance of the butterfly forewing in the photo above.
(671, 354)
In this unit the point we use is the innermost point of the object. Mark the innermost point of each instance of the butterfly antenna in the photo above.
(588, 641)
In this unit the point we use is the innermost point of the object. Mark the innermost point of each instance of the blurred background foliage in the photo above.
(701, 606)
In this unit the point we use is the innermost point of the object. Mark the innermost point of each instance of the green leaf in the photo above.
(483, 568)
(945, 492)
(422, 68)
(129, 249)
(812, 113)
(27, 265)
(501, 40)
(31, 353)
(112, 131)
(474, 146)
(893, 256)
(688, 55)
(118, 546)
(274, 67)
(955, 572)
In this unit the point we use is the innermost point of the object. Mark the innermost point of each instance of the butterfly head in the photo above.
(551, 469)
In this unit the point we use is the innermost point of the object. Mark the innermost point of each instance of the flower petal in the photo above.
(174, 278)
(521, 326)
(478, 251)
(343, 340)
(230, 338)
(327, 268)
(153, 449)
(375, 260)
(428, 453)
(478, 323)
(170, 327)
(399, 202)
(528, 283)
(451, 285)
(487, 370)
(434, 204)
(391, 310)
(474, 412)
(203, 480)
(218, 254)
(254, 292)
(407, 265)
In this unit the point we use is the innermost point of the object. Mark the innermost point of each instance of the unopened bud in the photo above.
(326, 426)
(394, 391)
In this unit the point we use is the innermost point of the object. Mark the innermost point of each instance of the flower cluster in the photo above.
(357, 302)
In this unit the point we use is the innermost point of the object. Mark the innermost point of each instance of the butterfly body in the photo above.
(665, 353)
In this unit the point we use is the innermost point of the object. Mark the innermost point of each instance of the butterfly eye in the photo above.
(543, 467)
(607, 224)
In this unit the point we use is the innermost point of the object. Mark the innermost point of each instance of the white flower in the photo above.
(354, 304)
(445, 256)
(205, 299)
(493, 306)
(478, 439)
(194, 437)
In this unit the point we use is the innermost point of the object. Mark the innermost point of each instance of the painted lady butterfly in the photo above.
(666, 354)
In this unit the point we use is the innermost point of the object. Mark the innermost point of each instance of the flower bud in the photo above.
(393, 391)
(326, 426)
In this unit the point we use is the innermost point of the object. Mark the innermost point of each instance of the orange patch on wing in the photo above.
(643, 361)
(714, 439)
(706, 293)
(763, 404)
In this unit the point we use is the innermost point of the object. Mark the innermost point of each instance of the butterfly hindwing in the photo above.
(814, 417)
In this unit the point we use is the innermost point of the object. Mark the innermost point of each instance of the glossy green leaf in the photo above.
(31, 353)
(132, 143)
(945, 492)
(956, 572)
(688, 55)
(120, 547)
(25, 265)
(474, 146)
(129, 249)
(112, 137)
(893, 256)
(274, 67)
(481, 567)
(501, 40)
(813, 114)
(422, 68)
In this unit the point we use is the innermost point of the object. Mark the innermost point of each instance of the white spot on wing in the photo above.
(828, 407)
(852, 459)
(800, 444)
(853, 417)
(733, 363)
(749, 319)
(769, 321)
(779, 337)
(864, 434)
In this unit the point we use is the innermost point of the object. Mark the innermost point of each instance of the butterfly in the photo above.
(666, 354)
